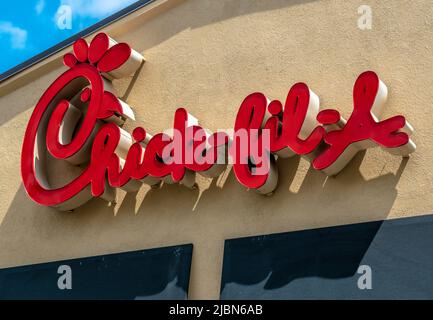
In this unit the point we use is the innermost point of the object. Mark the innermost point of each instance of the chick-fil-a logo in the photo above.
(78, 119)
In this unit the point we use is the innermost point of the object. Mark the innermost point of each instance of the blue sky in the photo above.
(28, 27)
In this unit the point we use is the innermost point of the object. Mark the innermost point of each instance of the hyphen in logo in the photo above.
(77, 119)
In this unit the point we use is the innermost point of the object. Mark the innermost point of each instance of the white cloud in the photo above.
(40, 5)
(18, 36)
(96, 8)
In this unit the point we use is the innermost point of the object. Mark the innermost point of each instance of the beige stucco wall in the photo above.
(207, 55)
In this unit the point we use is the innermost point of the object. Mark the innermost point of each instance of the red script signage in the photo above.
(78, 120)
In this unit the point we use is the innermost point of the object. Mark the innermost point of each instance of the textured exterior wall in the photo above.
(207, 55)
